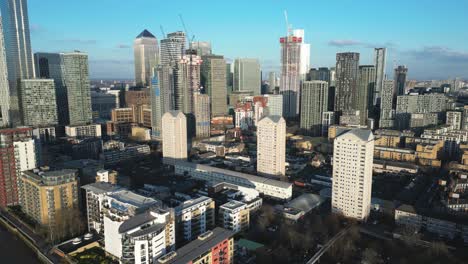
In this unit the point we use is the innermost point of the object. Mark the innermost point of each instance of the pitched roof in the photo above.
(362, 134)
(145, 34)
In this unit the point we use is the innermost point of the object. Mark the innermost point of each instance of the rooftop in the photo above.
(361, 134)
(145, 34)
(232, 205)
(136, 221)
(306, 202)
(198, 247)
(101, 187)
(129, 197)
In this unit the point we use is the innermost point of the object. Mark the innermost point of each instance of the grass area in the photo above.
(95, 255)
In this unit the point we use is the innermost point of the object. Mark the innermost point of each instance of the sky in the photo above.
(429, 37)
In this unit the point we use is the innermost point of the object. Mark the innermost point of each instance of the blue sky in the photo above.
(430, 37)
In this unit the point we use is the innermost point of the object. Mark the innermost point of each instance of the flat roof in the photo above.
(101, 187)
(249, 177)
(232, 205)
(306, 202)
(199, 247)
(133, 198)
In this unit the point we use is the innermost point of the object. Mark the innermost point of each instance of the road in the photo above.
(330, 243)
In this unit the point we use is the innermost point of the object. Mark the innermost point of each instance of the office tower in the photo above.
(103, 103)
(275, 104)
(186, 82)
(8, 166)
(272, 82)
(400, 74)
(320, 74)
(37, 103)
(366, 87)
(271, 147)
(172, 48)
(161, 97)
(290, 74)
(305, 54)
(346, 90)
(174, 137)
(387, 106)
(314, 102)
(247, 76)
(4, 86)
(380, 55)
(47, 195)
(213, 71)
(352, 173)
(332, 76)
(202, 115)
(146, 54)
(203, 48)
(454, 119)
(17, 49)
(71, 76)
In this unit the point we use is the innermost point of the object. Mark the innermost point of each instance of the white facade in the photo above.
(275, 104)
(4, 86)
(454, 119)
(93, 130)
(352, 173)
(244, 118)
(271, 146)
(174, 137)
(272, 188)
(305, 54)
(25, 155)
(146, 54)
(232, 214)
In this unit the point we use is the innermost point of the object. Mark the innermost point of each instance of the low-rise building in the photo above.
(268, 187)
(234, 216)
(212, 247)
(125, 153)
(81, 131)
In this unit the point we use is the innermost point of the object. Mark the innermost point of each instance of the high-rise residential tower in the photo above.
(387, 105)
(352, 173)
(161, 97)
(366, 87)
(172, 47)
(37, 102)
(247, 76)
(213, 71)
(400, 74)
(187, 81)
(4, 86)
(174, 137)
(201, 104)
(347, 70)
(17, 49)
(71, 76)
(290, 74)
(271, 147)
(8, 164)
(380, 55)
(314, 102)
(146, 53)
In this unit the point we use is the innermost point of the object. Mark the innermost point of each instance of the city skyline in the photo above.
(431, 49)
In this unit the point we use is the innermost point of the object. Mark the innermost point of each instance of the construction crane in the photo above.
(189, 41)
(288, 26)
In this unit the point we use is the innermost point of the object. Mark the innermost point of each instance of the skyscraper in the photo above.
(366, 87)
(247, 76)
(202, 48)
(8, 166)
(187, 81)
(76, 81)
(201, 103)
(71, 76)
(4, 86)
(161, 97)
(290, 74)
(271, 146)
(387, 105)
(37, 102)
(172, 47)
(305, 54)
(17, 49)
(213, 71)
(174, 137)
(400, 80)
(347, 67)
(146, 53)
(352, 173)
(314, 102)
(380, 55)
